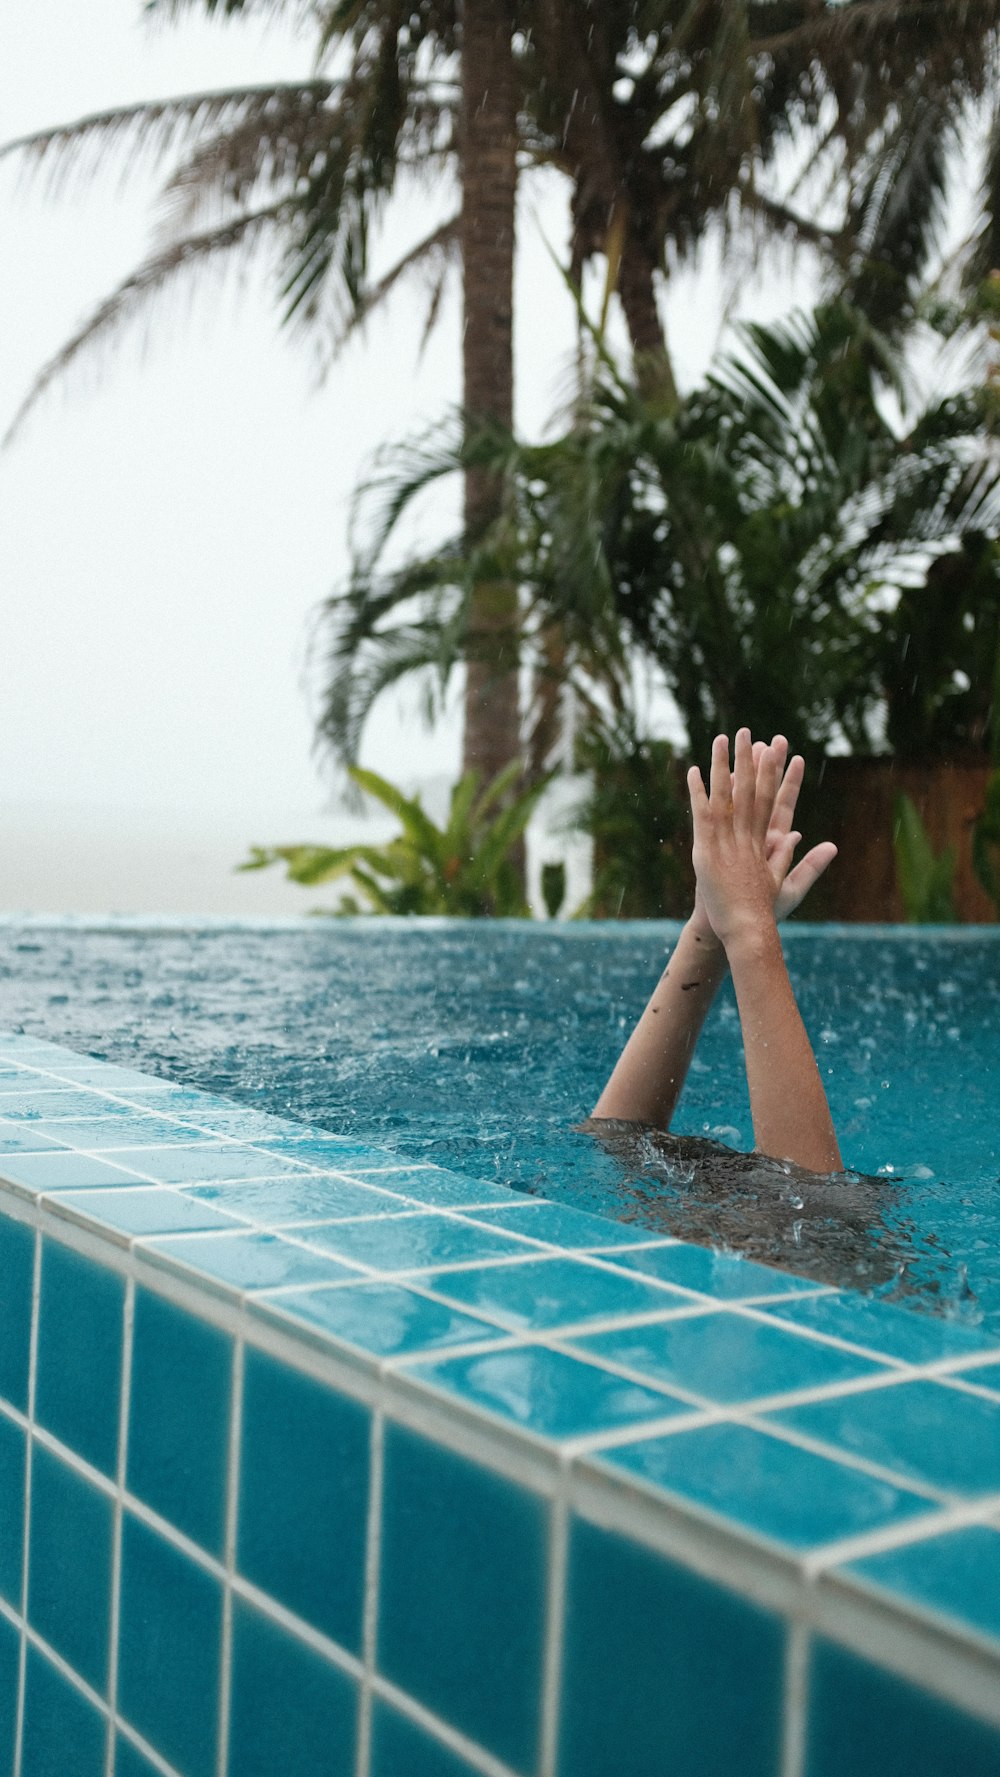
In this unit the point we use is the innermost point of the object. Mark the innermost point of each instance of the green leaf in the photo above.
(925, 882)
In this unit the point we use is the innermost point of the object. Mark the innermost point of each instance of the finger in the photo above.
(744, 782)
(766, 785)
(806, 874)
(697, 794)
(758, 749)
(779, 747)
(788, 794)
(779, 859)
(720, 783)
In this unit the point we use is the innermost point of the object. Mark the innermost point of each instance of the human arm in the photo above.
(649, 1075)
(791, 1117)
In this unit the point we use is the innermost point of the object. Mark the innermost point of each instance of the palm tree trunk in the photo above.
(637, 289)
(489, 180)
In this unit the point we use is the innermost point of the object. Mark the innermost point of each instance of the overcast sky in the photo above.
(170, 518)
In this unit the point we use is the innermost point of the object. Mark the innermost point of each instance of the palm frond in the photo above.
(273, 145)
(149, 282)
(157, 127)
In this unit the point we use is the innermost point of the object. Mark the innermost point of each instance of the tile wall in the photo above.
(317, 1463)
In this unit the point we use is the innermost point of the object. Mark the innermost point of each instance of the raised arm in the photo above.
(650, 1073)
(791, 1117)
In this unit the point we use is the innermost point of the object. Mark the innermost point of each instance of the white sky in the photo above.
(170, 518)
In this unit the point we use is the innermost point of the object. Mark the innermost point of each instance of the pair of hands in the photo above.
(744, 843)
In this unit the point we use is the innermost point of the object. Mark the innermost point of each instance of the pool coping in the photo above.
(940, 1652)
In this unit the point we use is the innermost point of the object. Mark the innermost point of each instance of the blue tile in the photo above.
(169, 1650)
(327, 1152)
(292, 1711)
(462, 1593)
(137, 1131)
(880, 1327)
(304, 1496)
(409, 1243)
(382, 1318)
(923, 1431)
(559, 1225)
(179, 1418)
(721, 1275)
(433, 1186)
(984, 1376)
(547, 1392)
(20, 1138)
(62, 1731)
(399, 1747)
(129, 1761)
(150, 1209)
(553, 1292)
(872, 1724)
(684, 1674)
(66, 1172)
(69, 1573)
(17, 1258)
(775, 1489)
(110, 1078)
(12, 1456)
(202, 1164)
(51, 1103)
(304, 1197)
(955, 1575)
(727, 1357)
(251, 1261)
(10, 1661)
(80, 1354)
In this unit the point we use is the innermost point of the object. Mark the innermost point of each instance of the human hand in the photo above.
(790, 885)
(744, 841)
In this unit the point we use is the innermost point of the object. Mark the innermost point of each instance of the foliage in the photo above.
(467, 868)
(925, 881)
(774, 549)
(829, 125)
(986, 841)
(553, 888)
(636, 817)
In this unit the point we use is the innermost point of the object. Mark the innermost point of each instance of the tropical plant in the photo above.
(986, 829)
(986, 840)
(635, 815)
(830, 123)
(767, 548)
(467, 868)
(926, 882)
(309, 166)
(669, 119)
(553, 884)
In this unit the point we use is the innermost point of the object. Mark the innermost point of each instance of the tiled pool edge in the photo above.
(797, 1605)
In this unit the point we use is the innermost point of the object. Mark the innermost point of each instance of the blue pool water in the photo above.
(483, 1046)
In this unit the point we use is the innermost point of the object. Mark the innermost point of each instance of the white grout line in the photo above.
(235, 1433)
(296, 1626)
(958, 1514)
(555, 1622)
(116, 1534)
(373, 1562)
(795, 1701)
(481, 1761)
(36, 1288)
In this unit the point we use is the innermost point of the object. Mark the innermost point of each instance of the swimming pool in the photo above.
(316, 1458)
(482, 1046)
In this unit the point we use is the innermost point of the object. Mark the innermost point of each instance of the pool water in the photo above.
(484, 1046)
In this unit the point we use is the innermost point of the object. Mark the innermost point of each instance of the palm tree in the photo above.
(311, 165)
(829, 122)
(767, 547)
(668, 119)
